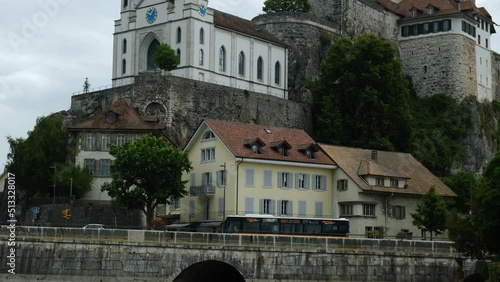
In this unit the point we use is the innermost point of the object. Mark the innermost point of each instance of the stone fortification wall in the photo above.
(441, 64)
(112, 254)
(308, 38)
(183, 103)
(355, 17)
(495, 75)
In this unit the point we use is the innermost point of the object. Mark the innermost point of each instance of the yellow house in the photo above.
(243, 168)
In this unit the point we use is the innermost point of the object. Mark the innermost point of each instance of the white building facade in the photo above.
(213, 46)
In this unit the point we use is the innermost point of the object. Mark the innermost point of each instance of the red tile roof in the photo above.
(119, 116)
(357, 163)
(244, 26)
(235, 135)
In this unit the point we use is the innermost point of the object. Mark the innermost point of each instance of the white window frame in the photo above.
(266, 209)
(90, 141)
(105, 141)
(346, 209)
(208, 155)
(105, 168)
(319, 182)
(369, 209)
(121, 139)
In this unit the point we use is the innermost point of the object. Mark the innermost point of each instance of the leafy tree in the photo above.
(165, 57)
(274, 6)
(463, 184)
(30, 159)
(362, 98)
(485, 209)
(431, 213)
(73, 180)
(146, 173)
(465, 235)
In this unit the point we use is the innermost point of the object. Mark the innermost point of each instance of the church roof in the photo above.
(244, 26)
(119, 116)
(358, 163)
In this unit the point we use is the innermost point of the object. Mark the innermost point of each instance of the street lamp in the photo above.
(54, 195)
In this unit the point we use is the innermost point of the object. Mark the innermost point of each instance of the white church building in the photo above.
(213, 46)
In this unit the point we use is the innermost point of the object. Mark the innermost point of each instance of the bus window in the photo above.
(287, 228)
(330, 228)
(251, 226)
(232, 225)
(269, 225)
(312, 228)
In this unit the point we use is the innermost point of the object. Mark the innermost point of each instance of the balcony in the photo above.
(207, 190)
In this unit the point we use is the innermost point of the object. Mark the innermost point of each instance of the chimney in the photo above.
(375, 155)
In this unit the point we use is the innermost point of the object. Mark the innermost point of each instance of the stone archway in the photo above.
(210, 271)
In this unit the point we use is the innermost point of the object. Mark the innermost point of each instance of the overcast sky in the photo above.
(49, 47)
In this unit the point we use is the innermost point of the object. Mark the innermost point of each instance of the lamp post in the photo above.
(54, 193)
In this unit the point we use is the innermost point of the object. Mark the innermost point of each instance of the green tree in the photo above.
(465, 236)
(485, 208)
(30, 159)
(165, 57)
(362, 98)
(431, 213)
(462, 183)
(274, 6)
(146, 173)
(73, 180)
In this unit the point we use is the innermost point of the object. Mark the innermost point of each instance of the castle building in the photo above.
(212, 46)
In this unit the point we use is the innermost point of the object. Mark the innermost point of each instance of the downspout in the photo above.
(238, 183)
(386, 210)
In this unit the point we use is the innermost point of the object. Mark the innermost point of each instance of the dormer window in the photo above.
(111, 117)
(282, 150)
(414, 12)
(208, 136)
(431, 10)
(255, 144)
(309, 149)
(281, 147)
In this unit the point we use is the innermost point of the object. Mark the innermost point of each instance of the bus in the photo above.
(300, 226)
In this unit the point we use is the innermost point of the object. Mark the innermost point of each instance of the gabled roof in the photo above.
(244, 26)
(235, 135)
(443, 7)
(119, 116)
(357, 163)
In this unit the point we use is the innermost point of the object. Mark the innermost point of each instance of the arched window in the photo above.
(125, 3)
(260, 68)
(222, 58)
(151, 50)
(124, 66)
(200, 59)
(209, 135)
(277, 73)
(241, 64)
(124, 47)
(179, 35)
(179, 55)
(202, 36)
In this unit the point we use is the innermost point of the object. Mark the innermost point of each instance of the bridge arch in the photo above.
(210, 271)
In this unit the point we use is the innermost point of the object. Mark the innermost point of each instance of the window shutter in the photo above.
(221, 207)
(210, 179)
(289, 208)
(249, 205)
(272, 209)
(249, 177)
(280, 204)
(302, 208)
(268, 178)
(297, 180)
(307, 181)
(280, 179)
(403, 212)
(192, 179)
(319, 209)
(218, 178)
(290, 178)
(191, 208)
(323, 182)
(261, 204)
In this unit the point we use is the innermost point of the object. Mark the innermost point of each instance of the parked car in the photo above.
(94, 226)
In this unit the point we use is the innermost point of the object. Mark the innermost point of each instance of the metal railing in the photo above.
(202, 190)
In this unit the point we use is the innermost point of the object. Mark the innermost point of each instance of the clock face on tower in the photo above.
(151, 15)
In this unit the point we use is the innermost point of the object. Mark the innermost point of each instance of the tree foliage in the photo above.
(147, 173)
(431, 213)
(73, 180)
(463, 183)
(274, 6)
(165, 57)
(465, 236)
(30, 159)
(362, 98)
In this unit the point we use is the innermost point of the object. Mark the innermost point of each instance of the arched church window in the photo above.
(124, 66)
(241, 64)
(201, 57)
(260, 68)
(124, 47)
(202, 36)
(125, 3)
(179, 55)
(179, 35)
(277, 73)
(151, 50)
(222, 58)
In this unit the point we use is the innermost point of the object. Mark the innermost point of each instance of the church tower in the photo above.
(213, 46)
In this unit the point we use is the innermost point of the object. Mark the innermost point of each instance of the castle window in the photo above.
(124, 66)
(479, 39)
(179, 35)
(486, 43)
(201, 57)
(124, 46)
(125, 3)
(222, 59)
(260, 68)
(277, 73)
(179, 55)
(425, 69)
(241, 64)
(202, 36)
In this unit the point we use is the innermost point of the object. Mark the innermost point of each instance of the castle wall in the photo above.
(441, 64)
(183, 104)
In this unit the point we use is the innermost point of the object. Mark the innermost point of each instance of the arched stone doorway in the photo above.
(210, 271)
(151, 66)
